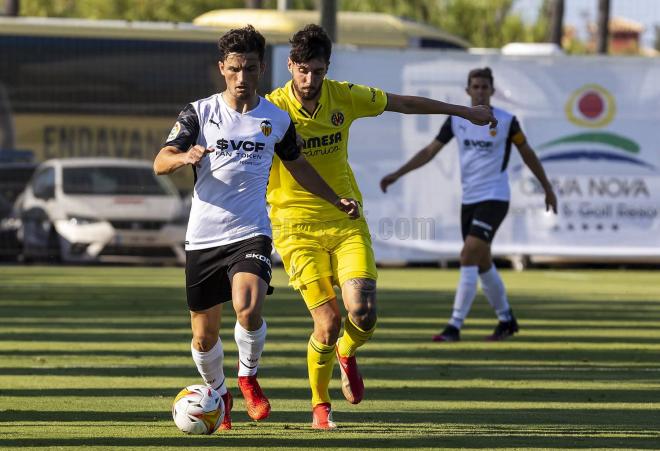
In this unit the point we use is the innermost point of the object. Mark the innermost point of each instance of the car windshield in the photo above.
(112, 180)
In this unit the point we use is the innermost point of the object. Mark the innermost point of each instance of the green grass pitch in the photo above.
(91, 358)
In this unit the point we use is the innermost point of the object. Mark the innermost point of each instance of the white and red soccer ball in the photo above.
(198, 410)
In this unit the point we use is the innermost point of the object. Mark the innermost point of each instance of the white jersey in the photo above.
(229, 198)
(484, 154)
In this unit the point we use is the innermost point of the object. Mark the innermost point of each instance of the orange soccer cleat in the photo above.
(229, 403)
(322, 417)
(256, 403)
(352, 385)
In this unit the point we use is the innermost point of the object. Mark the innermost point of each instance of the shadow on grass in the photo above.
(406, 373)
(421, 312)
(326, 441)
(593, 417)
(405, 393)
(382, 429)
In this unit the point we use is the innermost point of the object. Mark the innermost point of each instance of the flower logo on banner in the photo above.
(591, 106)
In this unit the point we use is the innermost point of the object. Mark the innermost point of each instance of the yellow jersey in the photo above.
(325, 135)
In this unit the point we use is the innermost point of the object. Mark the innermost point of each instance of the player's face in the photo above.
(242, 72)
(480, 90)
(308, 78)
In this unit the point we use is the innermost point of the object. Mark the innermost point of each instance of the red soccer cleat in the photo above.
(352, 385)
(322, 417)
(229, 403)
(256, 403)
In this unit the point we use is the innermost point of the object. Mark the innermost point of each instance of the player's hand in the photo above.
(550, 201)
(349, 206)
(196, 153)
(481, 115)
(387, 181)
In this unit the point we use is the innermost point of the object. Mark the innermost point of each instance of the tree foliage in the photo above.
(484, 23)
(147, 10)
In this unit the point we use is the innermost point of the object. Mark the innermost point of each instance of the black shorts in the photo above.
(209, 271)
(483, 218)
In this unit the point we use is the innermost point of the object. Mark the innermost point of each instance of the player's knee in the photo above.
(362, 306)
(365, 319)
(473, 252)
(327, 329)
(468, 259)
(204, 342)
(249, 317)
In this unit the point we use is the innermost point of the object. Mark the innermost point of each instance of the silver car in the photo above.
(101, 210)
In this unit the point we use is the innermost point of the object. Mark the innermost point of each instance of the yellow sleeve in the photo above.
(278, 97)
(273, 98)
(367, 101)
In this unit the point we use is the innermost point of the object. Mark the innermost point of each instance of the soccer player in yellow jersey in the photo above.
(321, 249)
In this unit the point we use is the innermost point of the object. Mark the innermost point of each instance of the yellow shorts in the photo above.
(319, 255)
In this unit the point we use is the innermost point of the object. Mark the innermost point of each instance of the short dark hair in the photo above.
(479, 72)
(309, 43)
(242, 40)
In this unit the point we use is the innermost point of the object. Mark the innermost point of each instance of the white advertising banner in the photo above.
(594, 123)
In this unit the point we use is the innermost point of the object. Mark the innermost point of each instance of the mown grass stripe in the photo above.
(109, 348)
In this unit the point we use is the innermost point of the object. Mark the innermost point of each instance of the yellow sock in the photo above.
(353, 338)
(320, 361)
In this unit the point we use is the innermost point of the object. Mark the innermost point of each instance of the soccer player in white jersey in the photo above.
(229, 139)
(484, 155)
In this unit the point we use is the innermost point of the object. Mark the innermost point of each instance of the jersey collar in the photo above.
(249, 112)
(319, 106)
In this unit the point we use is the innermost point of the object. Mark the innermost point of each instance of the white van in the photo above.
(101, 210)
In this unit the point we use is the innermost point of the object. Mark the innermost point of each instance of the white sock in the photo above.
(209, 365)
(465, 293)
(493, 287)
(250, 346)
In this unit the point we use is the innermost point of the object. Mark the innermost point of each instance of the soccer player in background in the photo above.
(229, 139)
(485, 200)
(320, 249)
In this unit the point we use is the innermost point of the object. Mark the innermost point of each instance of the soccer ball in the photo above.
(198, 410)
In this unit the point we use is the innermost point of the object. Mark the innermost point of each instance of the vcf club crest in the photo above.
(337, 118)
(266, 128)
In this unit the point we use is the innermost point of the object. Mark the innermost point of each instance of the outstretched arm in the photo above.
(183, 136)
(480, 115)
(532, 162)
(305, 174)
(418, 160)
(169, 159)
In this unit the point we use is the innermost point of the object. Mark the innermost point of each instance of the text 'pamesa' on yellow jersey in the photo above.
(325, 135)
